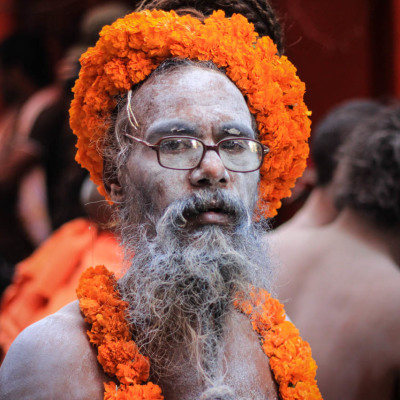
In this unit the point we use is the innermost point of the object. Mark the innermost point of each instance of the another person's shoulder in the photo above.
(52, 359)
(378, 312)
(385, 303)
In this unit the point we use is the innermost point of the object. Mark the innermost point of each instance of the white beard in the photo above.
(181, 285)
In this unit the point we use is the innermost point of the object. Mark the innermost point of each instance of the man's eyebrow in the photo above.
(237, 129)
(170, 128)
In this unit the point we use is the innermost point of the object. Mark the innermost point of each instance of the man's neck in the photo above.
(242, 366)
(318, 210)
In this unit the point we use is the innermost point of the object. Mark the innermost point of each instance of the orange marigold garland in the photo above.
(289, 356)
(133, 46)
(118, 354)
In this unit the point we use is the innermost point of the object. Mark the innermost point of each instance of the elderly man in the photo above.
(175, 116)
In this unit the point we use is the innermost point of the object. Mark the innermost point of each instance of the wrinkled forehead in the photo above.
(190, 92)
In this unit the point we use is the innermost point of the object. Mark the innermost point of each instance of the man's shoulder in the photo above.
(375, 315)
(384, 303)
(52, 359)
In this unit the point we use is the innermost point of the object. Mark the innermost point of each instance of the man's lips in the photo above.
(213, 217)
(210, 217)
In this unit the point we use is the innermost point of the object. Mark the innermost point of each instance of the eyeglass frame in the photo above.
(206, 147)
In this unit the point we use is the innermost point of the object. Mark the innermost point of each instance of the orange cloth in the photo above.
(47, 280)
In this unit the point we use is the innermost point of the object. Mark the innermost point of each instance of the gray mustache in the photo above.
(216, 201)
(203, 201)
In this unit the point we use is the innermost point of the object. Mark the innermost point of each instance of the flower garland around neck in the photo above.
(118, 354)
(289, 356)
(134, 46)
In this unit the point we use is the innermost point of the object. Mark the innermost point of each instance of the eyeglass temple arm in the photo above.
(141, 141)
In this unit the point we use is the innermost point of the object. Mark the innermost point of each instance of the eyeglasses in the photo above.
(185, 153)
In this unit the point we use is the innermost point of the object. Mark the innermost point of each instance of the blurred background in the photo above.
(342, 49)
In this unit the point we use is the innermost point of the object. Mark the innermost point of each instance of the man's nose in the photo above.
(210, 172)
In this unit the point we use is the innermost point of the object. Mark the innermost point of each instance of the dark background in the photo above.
(343, 49)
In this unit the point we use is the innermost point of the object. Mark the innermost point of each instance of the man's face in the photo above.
(202, 245)
(195, 102)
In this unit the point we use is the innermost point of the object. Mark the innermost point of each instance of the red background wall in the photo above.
(343, 49)
(396, 47)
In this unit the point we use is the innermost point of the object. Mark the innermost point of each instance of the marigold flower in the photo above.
(290, 357)
(133, 46)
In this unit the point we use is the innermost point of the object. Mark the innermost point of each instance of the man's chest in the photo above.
(242, 370)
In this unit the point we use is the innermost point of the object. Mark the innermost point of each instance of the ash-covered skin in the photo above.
(192, 232)
(194, 102)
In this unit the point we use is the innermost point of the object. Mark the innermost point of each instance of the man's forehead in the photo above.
(190, 90)
(192, 78)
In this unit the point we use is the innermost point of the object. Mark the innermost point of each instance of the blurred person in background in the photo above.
(319, 209)
(25, 80)
(64, 177)
(328, 135)
(37, 150)
(344, 287)
(46, 281)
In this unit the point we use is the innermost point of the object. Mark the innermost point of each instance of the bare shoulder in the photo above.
(377, 311)
(386, 305)
(52, 359)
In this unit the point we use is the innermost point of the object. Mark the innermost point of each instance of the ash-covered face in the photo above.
(190, 231)
(196, 102)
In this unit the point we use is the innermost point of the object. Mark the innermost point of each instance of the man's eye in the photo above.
(171, 146)
(234, 146)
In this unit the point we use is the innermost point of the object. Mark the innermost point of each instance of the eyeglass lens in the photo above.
(240, 155)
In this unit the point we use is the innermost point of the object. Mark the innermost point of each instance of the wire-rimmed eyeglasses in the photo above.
(186, 153)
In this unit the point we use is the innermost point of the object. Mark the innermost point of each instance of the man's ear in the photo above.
(112, 182)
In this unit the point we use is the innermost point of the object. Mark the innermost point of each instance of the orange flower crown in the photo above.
(133, 46)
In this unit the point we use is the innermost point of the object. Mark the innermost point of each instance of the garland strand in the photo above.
(118, 354)
(289, 356)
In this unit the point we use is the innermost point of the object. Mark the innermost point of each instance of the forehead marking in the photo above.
(176, 129)
(232, 131)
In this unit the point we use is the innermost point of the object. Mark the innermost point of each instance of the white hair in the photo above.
(181, 284)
